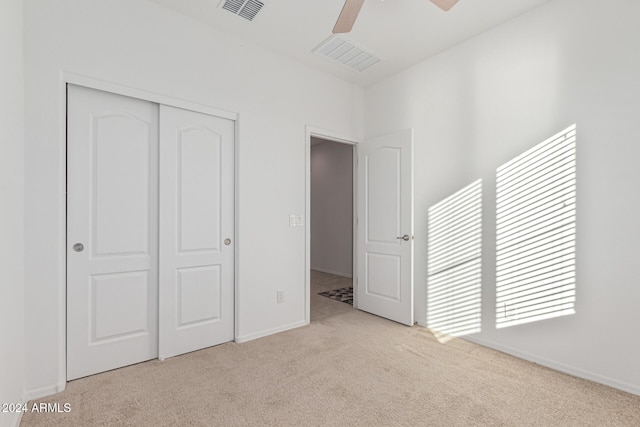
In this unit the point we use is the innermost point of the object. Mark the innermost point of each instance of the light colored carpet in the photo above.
(346, 368)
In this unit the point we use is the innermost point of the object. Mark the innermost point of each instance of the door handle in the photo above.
(78, 247)
(405, 238)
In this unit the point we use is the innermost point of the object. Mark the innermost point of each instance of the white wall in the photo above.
(332, 208)
(483, 102)
(139, 44)
(11, 208)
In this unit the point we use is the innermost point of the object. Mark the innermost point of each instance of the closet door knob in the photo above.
(78, 247)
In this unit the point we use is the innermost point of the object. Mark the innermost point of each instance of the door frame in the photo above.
(331, 136)
(66, 78)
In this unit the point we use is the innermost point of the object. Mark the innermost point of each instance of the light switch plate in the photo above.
(292, 220)
(300, 220)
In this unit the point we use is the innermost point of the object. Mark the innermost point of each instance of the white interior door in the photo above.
(112, 210)
(196, 231)
(385, 226)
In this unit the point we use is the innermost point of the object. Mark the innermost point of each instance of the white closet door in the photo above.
(196, 231)
(112, 184)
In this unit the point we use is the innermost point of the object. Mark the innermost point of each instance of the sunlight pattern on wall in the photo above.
(536, 233)
(454, 265)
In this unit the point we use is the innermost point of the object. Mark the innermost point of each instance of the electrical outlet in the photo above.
(300, 220)
(292, 220)
(280, 297)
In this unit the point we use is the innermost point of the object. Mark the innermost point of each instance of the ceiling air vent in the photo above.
(247, 9)
(346, 52)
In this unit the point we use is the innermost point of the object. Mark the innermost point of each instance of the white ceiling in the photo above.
(402, 32)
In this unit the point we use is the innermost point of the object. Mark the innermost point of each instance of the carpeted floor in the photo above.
(346, 368)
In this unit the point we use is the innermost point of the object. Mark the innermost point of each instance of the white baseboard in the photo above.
(267, 332)
(10, 419)
(37, 393)
(335, 273)
(571, 370)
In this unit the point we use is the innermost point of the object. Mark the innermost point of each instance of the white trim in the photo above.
(93, 83)
(37, 393)
(66, 78)
(15, 419)
(329, 135)
(335, 273)
(62, 248)
(354, 238)
(267, 332)
(236, 230)
(561, 367)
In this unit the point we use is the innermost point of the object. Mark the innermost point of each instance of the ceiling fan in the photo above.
(351, 9)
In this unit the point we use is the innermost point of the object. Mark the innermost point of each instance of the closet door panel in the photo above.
(112, 221)
(196, 231)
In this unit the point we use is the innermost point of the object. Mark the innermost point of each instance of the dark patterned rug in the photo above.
(342, 294)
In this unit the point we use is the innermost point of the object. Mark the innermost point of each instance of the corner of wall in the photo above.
(12, 201)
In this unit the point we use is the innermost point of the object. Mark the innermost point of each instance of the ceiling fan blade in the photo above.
(348, 16)
(444, 4)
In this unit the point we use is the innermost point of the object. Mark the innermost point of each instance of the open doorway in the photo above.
(331, 227)
(382, 180)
